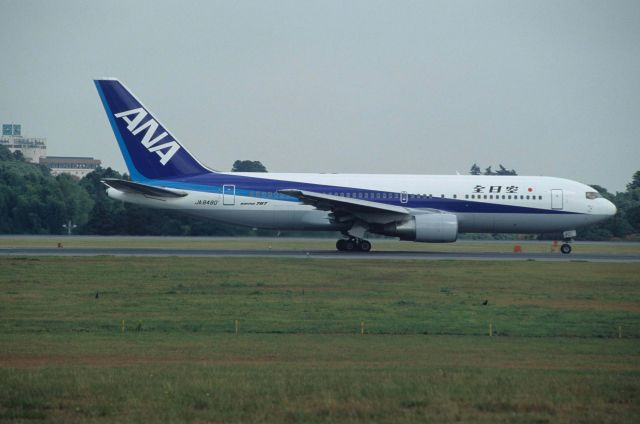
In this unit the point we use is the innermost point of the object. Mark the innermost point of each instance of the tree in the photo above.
(635, 181)
(18, 156)
(34, 202)
(633, 217)
(107, 217)
(77, 201)
(5, 153)
(475, 170)
(505, 171)
(248, 166)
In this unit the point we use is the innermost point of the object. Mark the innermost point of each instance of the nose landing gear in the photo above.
(568, 237)
(353, 245)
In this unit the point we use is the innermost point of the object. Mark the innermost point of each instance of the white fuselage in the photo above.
(493, 204)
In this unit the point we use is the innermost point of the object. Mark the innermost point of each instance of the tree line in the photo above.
(32, 201)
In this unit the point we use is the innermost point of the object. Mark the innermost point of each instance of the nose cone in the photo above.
(609, 208)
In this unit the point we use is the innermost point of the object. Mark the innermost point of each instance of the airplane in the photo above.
(419, 208)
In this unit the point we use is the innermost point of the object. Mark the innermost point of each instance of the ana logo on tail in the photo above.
(165, 150)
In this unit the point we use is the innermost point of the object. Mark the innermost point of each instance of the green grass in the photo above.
(555, 355)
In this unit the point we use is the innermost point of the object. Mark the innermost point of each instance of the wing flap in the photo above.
(330, 202)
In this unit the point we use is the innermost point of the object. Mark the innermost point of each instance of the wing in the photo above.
(144, 189)
(346, 208)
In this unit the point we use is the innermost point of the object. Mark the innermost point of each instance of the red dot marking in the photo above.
(530, 189)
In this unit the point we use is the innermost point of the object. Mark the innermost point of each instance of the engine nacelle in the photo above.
(428, 228)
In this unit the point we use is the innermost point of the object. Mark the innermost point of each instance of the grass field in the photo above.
(565, 343)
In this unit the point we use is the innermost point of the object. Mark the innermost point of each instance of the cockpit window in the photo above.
(593, 195)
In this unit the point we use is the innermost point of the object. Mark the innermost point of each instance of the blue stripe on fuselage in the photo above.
(213, 182)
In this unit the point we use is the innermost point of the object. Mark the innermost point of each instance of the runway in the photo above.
(321, 254)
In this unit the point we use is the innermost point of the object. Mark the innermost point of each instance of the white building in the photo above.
(76, 166)
(32, 148)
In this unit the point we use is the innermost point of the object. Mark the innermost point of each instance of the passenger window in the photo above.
(455, 196)
(485, 196)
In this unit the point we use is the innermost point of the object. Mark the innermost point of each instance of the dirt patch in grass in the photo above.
(118, 361)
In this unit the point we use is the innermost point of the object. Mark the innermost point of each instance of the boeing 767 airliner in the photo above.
(421, 208)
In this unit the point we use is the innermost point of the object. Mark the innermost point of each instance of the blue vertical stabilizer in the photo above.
(149, 149)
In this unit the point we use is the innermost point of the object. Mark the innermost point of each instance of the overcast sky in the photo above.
(545, 87)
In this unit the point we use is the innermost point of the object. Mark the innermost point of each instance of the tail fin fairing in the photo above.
(149, 149)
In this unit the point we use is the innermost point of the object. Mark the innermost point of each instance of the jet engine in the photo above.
(428, 228)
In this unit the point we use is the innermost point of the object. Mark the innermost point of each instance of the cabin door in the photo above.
(228, 194)
(556, 199)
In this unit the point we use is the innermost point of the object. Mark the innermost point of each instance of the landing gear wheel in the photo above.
(565, 248)
(365, 246)
(353, 245)
(350, 245)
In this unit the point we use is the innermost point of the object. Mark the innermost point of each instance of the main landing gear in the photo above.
(565, 248)
(353, 245)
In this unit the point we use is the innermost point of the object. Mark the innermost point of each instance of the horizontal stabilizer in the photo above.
(147, 190)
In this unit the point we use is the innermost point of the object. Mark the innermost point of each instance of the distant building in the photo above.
(32, 148)
(76, 166)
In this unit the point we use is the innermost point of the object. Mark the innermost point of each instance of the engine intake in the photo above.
(427, 228)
